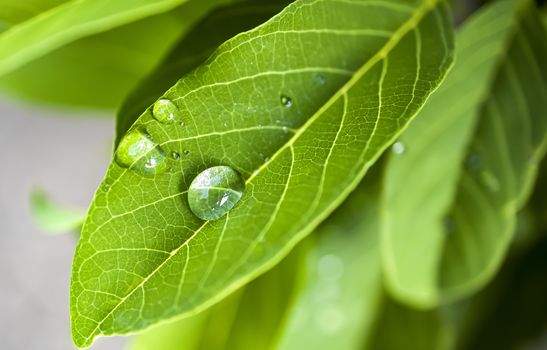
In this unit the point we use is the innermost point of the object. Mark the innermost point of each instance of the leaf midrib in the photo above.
(410, 24)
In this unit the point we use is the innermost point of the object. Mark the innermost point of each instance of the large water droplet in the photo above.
(138, 151)
(214, 192)
(286, 101)
(398, 148)
(166, 112)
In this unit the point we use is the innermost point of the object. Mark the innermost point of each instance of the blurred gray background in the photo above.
(66, 153)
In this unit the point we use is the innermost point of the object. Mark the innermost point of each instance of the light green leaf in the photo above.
(192, 50)
(300, 107)
(99, 70)
(68, 22)
(468, 161)
(52, 217)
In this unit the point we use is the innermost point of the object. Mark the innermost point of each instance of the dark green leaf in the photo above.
(300, 107)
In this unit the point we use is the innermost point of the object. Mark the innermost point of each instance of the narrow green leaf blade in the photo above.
(468, 185)
(354, 82)
(52, 217)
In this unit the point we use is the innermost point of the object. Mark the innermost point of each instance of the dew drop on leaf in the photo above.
(473, 162)
(214, 192)
(320, 79)
(398, 148)
(166, 112)
(138, 151)
(186, 153)
(286, 101)
(175, 155)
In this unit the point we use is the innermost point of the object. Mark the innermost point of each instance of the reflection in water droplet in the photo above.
(214, 192)
(175, 155)
(398, 148)
(286, 101)
(166, 112)
(330, 267)
(138, 151)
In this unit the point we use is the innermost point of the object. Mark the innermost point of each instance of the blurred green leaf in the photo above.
(99, 70)
(52, 217)
(469, 160)
(400, 327)
(301, 107)
(13, 12)
(71, 21)
(190, 51)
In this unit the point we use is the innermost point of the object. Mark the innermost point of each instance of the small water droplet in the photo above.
(214, 192)
(286, 101)
(181, 124)
(175, 155)
(449, 224)
(320, 79)
(186, 153)
(166, 112)
(285, 130)
(398, 148)
(473, 162)
(138, 151)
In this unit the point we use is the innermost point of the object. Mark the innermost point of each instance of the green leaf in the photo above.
(469, 160)
(99, 70)
(191, 50)
(52, 217)
(68, 22)
(13, 12)
(349, 84)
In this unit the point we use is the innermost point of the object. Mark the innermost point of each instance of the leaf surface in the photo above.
(301, 107)
(190, 51)
(469, 160)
